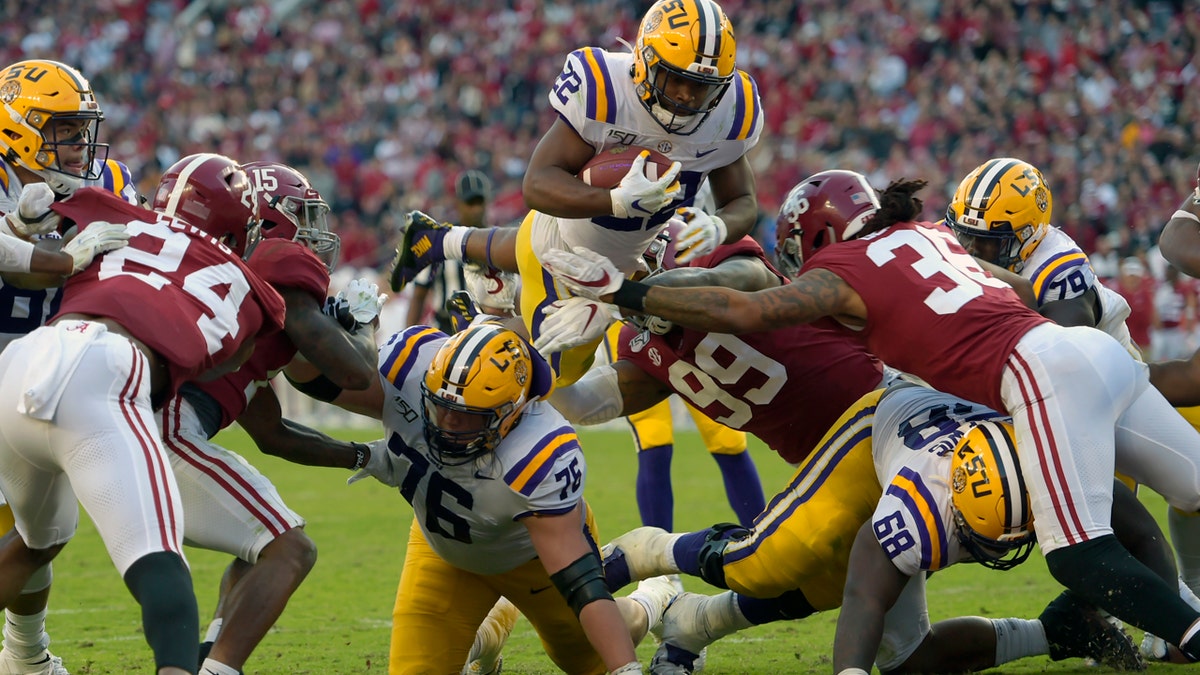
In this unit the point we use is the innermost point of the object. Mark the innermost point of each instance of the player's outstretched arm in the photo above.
(263, 421)
(1178, 380)
(575, 569)
(346, 360)
(873, 584)
(1180, 238)
(607, 392)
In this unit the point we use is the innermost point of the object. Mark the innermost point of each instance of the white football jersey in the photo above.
(913, 436)
(471, 514)
(21, 311)
(1059, 270)
(595, 94)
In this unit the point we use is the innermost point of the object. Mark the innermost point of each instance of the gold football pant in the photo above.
(439, 607)
(803, 538)
(538, 291)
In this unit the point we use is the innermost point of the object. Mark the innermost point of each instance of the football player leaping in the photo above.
(680, 93)
(49, 146)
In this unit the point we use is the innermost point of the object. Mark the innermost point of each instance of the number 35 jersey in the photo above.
(913, 437)
(471, 514)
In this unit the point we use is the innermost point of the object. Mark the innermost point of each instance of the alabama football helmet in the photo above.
(51, 123)
(1001, 212)
(693, 40)
(823, 209)
(474, 391)
(989, 500)
(213, 193)
(291, 208)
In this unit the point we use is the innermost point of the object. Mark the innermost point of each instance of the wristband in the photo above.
(360, 456)
(1185, 214)
(631, 295)
(487, 253)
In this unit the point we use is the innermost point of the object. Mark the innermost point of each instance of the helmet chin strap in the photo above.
(672, 121)
(61, 183)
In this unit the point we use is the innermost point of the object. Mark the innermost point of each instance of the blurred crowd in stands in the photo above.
(383, 104)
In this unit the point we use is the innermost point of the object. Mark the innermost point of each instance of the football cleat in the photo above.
(644, 551)
(685, 636)
(420, 247)
(1076, 629)
(462, 310)
(485, 656)
(42, 664)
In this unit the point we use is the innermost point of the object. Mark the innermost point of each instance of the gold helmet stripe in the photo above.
(989, 177)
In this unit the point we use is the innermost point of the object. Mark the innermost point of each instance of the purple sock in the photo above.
(655, 499)
(742, 486)
(789, 606)
(687, 552)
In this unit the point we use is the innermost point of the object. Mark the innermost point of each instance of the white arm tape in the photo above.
(594, 399)
(15, 254)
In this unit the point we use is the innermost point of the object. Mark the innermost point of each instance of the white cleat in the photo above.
(42, 664)
(485, 657)
(685, 636)
(646, 551)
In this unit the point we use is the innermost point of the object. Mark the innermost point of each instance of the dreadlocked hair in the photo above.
(896, 205)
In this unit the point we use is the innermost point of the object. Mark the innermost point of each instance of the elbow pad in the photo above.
(594, 399)
(582, 582)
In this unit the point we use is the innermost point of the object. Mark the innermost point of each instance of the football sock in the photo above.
(1018, 638)
(687, 551)
(789, 606)
(655, 498)
(742, 486)
(25, 634)
(162, 585)
(722, 616)
(214, 629)
(454, 242)
(1185, 535)
(211, 667)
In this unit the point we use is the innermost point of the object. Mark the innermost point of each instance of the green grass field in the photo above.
(339, 620)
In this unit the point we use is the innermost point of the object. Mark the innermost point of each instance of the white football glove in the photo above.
(583, 272)
(363, 299)
(492, 288)
(379, 466)
(573, 322)
(637, 196)
(701, 234)
(99, 237)
(33, 215)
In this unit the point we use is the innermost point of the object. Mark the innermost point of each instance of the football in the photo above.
(609, 166)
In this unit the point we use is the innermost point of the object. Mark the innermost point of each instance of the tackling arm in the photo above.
(1178, 380)
(734, 190)
(873, 584)
(608, 392)
(575, 568)
(347, 360)
(550, 184)
(278, 437)
(1078, 311)
(1180, 238)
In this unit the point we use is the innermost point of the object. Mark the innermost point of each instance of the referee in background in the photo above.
(435, 284)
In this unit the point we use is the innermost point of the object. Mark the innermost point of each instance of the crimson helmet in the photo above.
(291, 208)
(823, 209)
(214, 194)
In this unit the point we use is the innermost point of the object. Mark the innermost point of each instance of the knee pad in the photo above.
(170, 619)
(711, 559)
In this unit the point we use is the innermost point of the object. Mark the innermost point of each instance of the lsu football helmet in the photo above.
(989, 501)
(692, 40)
(474, 392)
(823, 209)
(51, 123)
(291, 208)
(1001, 212)
(213, 193)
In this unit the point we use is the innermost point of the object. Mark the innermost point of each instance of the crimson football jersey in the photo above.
(787, 386)
(174, 287)
(932, 311)
(283, 263)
